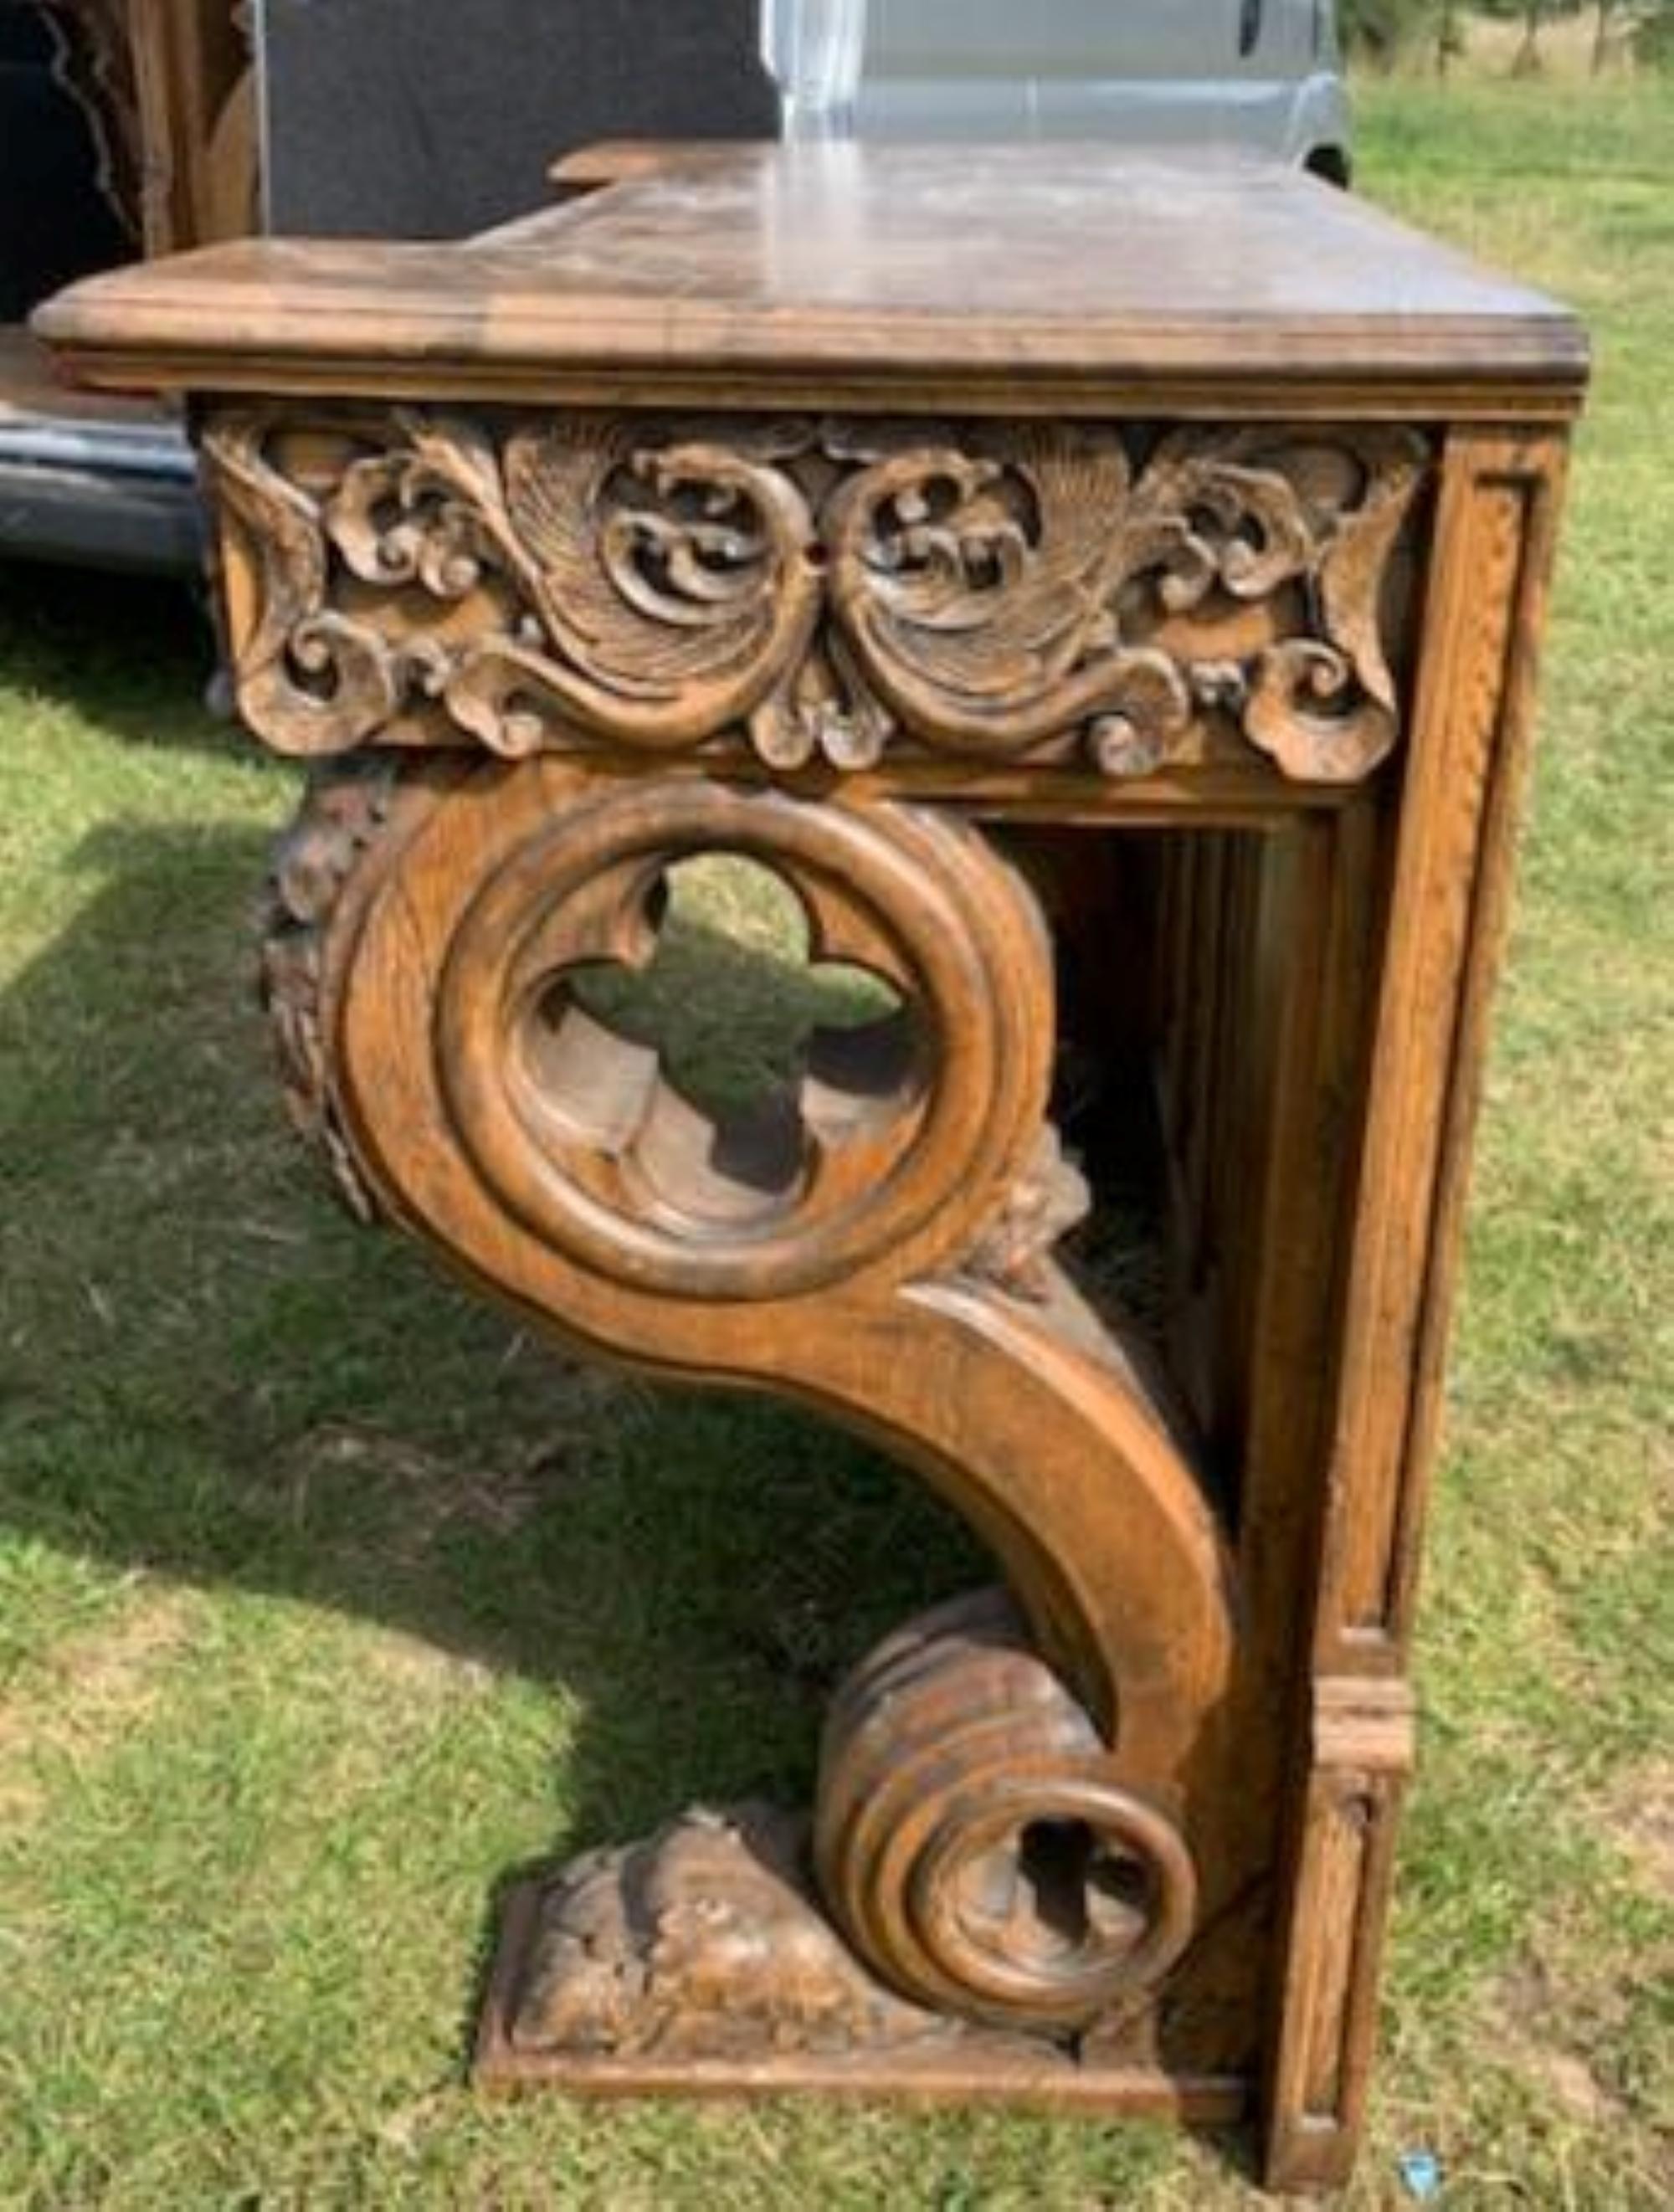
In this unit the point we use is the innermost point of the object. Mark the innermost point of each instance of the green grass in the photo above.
(326, 1598)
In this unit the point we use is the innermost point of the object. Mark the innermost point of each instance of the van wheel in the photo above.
(1331, 163)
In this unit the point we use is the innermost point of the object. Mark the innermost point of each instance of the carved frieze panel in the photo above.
(819, 591)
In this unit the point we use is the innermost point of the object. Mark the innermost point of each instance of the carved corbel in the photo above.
(1000, 1774)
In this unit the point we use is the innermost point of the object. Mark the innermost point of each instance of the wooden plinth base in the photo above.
(973, 2069)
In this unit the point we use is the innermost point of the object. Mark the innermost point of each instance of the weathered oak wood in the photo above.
(830, 592)
(1039, 279)
(195, 72)
(1124, 658)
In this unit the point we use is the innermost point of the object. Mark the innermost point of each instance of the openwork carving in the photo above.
(1003, 1834)
(884, 1145)
(1051, 592)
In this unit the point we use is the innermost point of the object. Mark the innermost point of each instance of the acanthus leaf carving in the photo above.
(344, 815)
(1052, 593)
(1050, 1199)
(704, 1942)
(309, 680)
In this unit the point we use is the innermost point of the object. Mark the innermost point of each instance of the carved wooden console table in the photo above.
(1107, 597)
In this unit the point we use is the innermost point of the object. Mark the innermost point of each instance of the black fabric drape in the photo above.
(436, 117)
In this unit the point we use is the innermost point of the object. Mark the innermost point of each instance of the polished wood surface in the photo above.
(1125, 662)
(29, 389)
(963, 276)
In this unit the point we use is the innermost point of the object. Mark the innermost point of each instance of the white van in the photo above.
(1265, 75)
(126, 124)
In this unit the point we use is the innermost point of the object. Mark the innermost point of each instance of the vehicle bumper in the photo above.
(98, 496)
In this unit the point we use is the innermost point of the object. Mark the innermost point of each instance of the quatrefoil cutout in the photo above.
(716, 1051)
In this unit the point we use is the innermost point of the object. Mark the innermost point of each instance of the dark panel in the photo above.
(55, 222)
(435, 117)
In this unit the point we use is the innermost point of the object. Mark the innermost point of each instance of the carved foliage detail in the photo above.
(1048, 1199)
(343, 816)
(705, 1942)
(1051, 592)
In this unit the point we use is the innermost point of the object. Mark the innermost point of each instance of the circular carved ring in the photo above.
(974, 1840)
(902, 1180)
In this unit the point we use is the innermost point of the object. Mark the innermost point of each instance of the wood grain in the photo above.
(927, 277)
(1440, 946)
(1124, 660)
(195, 76)
(824, 594)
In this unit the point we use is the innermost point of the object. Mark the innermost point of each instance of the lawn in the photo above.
(325, 1597)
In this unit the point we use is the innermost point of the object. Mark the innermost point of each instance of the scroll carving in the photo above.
(1052, 593)
(986, 1872)
(1007, 1838)
(978, 1840)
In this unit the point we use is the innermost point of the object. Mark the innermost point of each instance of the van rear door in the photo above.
(1140, 72)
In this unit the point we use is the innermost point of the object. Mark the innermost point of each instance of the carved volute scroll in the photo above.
(879, 1246)
(974, 1831)
(1055, 593)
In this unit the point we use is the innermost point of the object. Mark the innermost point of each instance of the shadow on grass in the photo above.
(210, 1375)
(134, 655)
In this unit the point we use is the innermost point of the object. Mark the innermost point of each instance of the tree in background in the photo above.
(1450, 39)
(1527, 60)
(1641, 29)
(1651, 32)
(1381, 31)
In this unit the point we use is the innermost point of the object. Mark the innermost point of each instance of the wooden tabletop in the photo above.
(920, 276)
